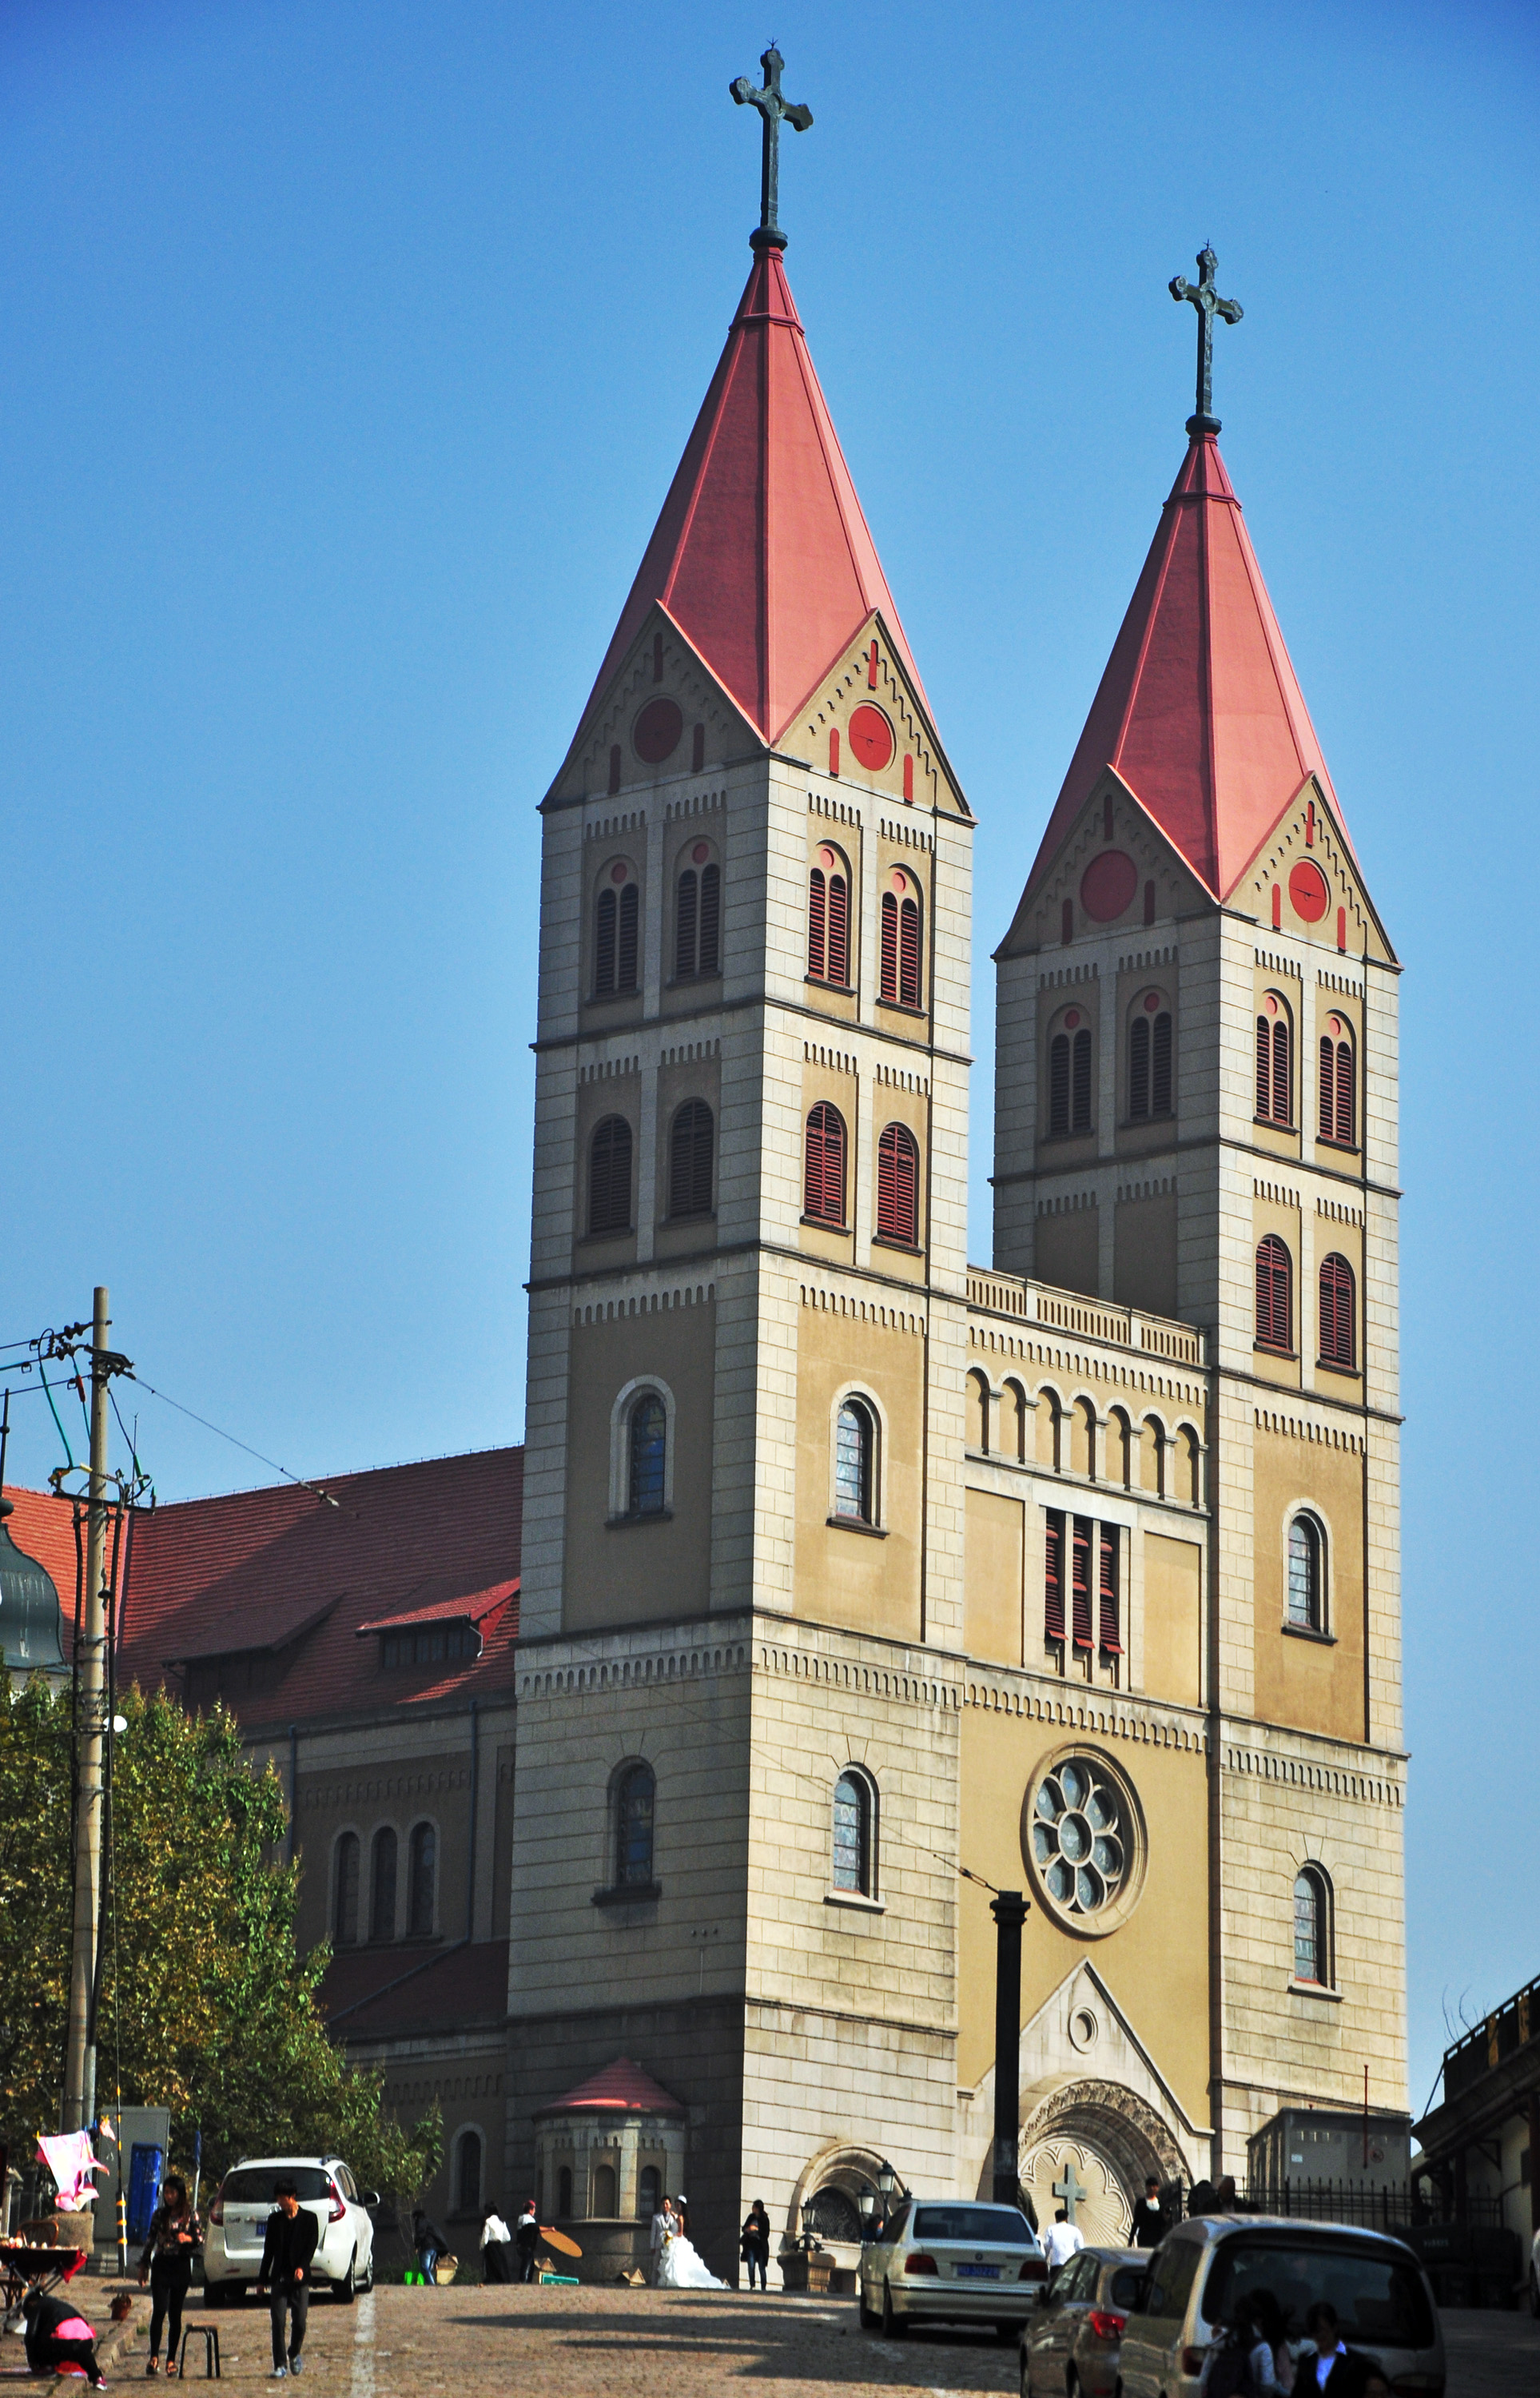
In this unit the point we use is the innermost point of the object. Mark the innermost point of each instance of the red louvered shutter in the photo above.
(1345, 1110)
(1054, 1577)
(889, 980)
(1337, 1329)
(604, 946)
(1328, 1087)
(898, 1185)
(1282, 1079)
(823, 1176)
(685, 915)
(1139, 1067)
(908, 959)
(709, 958)
(839, 948)
(625, 948)
(1111, 1630)
(1058, 1084)
(815, 923)
(1263, 1067)
(1273, 1294)
(1081, 1582)
(1161, 1076)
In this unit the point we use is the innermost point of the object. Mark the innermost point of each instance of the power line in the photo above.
(298, 1479)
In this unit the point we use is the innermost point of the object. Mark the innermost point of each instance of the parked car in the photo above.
(1071, 2342)
(237, 2221)
(1201, 2270)
(942, 2259)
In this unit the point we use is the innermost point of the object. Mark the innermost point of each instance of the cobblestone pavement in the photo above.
(612, 2343)
(589, 2343)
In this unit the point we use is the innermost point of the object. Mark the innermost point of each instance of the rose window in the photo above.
(1080, 1836)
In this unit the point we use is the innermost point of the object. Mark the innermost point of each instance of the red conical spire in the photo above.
(761, 555)
(1198, 710)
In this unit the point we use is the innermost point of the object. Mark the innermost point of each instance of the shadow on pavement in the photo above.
(779, 2339)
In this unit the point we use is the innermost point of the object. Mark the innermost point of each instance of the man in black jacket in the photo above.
(292, 2235)
(1149, 2217)
(1335, 2371)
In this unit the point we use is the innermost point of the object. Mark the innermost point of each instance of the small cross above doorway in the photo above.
(1069, 2190)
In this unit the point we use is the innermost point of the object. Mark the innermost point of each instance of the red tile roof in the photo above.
(473, 1607)
(622, 2086)
(1198, 710)
(761, 555)
(276, 1574)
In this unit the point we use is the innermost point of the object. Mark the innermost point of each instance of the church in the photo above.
(855, 1576)
(650, 1785)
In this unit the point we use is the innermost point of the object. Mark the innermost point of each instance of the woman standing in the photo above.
(167, 2264)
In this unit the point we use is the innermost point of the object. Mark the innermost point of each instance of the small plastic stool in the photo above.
(209, 2334)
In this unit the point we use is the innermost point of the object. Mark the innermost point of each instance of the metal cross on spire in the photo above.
(772, 108)
(1208, 304)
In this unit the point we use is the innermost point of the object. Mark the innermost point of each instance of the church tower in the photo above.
(1195, 1113)
(747, 1298)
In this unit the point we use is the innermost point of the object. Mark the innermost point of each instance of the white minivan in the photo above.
(1205, 2268)
(237, 2225)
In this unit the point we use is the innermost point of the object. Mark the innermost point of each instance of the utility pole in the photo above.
(1010, 1911)
(90, 1728)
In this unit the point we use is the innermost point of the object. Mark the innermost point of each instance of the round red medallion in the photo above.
(1108, 884)
(1333, 1024)
(700, 851)
(871, 737)
(901, 881)
(1307, 892)
(617, 874)
(1073, 1018)
(827, 859)
(657, 730)
(1152, 1001)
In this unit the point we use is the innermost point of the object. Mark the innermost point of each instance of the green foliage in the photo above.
(206, 2001)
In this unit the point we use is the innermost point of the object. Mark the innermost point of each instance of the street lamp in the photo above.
(867, 2203)
(886, 2180)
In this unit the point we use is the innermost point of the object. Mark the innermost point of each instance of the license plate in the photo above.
(977, 2273)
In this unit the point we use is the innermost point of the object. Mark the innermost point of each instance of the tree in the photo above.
(205, 2005)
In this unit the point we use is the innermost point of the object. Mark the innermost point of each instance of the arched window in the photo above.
(830, 920)
(1305, 1612)
(647, 1454)
(1151, 1060)
(602, 2198)
(855, 1462)
(383, 1885)
(698, 921)
(898, 1185)
(615, 923)
(634, 1795)
(1275, 1312)
(1069, 1077)
(852, 1833)
(1313, 1927)
(1190, 1452)
(689, 1160)
(899, 973)
(1275, 1081)
(609, 1177)
(977, 1432)
(1116, 1452)
(467, 2173)
(1338, 1331)
(345, 1911)
(1337, 1085)
(824, 1166)
(423, 1877)
(564, 2195)
(1011, 1437)
(650, 2192)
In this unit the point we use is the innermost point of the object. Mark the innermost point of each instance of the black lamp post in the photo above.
(1010, 1911)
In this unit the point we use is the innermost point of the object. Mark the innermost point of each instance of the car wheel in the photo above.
(346, 2290)
(869, 2316)
(894, 2326)
(366, 2285)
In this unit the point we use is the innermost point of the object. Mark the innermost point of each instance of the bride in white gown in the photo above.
(679, 2266)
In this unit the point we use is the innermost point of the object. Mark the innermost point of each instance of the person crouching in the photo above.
(58, 2340)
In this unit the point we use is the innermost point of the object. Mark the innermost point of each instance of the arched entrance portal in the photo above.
(1089, 2147)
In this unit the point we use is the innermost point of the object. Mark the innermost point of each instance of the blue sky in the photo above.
(346, 354)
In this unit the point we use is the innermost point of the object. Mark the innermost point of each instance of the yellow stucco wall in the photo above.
(844, 1575)
(1316, 1684)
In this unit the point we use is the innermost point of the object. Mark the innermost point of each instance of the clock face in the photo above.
(872, 738)
(1108, 884)
(656, 731)
(1307, 892)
